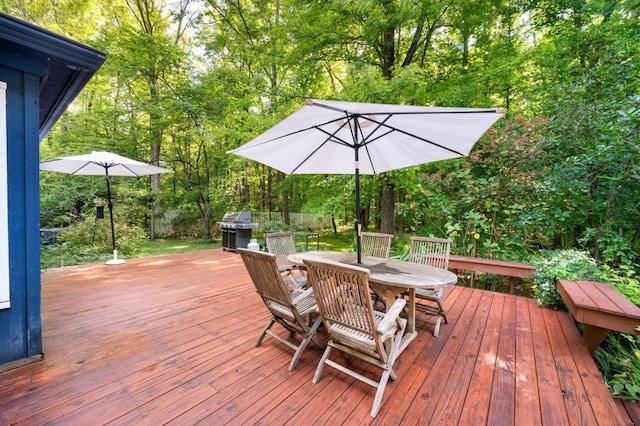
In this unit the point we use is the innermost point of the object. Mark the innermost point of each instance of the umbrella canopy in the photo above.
(102, 164)
(332, 137)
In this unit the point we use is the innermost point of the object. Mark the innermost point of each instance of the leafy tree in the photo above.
(587, 65)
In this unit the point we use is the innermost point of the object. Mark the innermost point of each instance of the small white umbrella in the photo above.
(332, 137)
(102, 164)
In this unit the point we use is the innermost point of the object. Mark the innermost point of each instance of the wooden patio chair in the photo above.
(282, 244)
(355, 328)
(375, 244)
(432, 252)
(294, 310)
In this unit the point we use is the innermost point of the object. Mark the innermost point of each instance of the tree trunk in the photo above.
(155, 188)
(387, 45)
(387, 209)
(156, 140)
(204, 207)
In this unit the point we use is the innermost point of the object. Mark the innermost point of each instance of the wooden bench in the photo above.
(600, 308)
(491, 266)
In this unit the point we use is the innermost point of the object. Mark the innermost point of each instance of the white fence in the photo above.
(299, 221)
(166, 225)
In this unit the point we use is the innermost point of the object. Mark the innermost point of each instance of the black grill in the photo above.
(236, 230)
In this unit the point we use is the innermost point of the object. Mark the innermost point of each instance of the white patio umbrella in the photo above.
(102, 164)
(332, 137)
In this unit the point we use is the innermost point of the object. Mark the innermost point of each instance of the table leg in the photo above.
(389, 294)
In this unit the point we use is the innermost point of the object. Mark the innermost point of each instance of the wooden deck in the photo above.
(170, 340)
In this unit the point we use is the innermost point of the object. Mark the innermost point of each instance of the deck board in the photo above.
(479, 395)
(458, 374)
(526, 397)
(171, 340)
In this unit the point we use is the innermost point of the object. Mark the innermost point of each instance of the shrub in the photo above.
(274, 225)
(625, 280)
(618, 359)
(96, 234)
(561, 264)
(65, 254)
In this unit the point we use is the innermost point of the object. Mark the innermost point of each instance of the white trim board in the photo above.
(4, 205)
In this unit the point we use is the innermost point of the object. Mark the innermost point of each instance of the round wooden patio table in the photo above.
(389, 278)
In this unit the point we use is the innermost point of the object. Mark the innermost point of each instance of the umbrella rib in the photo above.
(364, 139)
(308, 156)
(331, 138)
(392, 129)
(316, 127)
(86, 164)
(126, 167)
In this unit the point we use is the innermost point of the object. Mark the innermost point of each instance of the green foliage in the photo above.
(493, 204)
(561, 264)
(624, 279)
(63, 199)
(66, 254)
(96, 234)
(618, 359)
(587, 68)
(274, 225)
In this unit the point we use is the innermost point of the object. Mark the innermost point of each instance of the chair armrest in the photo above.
(302, 296)
(392, 314)
(292, 281)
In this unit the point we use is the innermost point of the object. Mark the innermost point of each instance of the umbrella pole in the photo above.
(357, 221)
(115, 260)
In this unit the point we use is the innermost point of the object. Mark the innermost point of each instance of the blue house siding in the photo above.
(21, 324)
(44, 72)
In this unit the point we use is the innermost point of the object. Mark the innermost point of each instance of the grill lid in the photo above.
(237, 220)
(237, 217)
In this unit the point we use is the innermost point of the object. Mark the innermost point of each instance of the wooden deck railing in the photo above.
(491, 266)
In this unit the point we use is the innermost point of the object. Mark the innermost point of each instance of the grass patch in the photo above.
(163, 246)
(74, 254)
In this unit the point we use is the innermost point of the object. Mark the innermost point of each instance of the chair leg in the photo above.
(441, 314)
(444, 313)
(264, 332)
(438, 312)
(378, 398)
(317, 341)
(325, 355)
(436, 327)
(310, 335)
(388, 372)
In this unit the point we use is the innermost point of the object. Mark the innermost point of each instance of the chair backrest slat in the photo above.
(343, 295)
(375, 244)
(430, 251)
(265, 274)
(280, 242)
